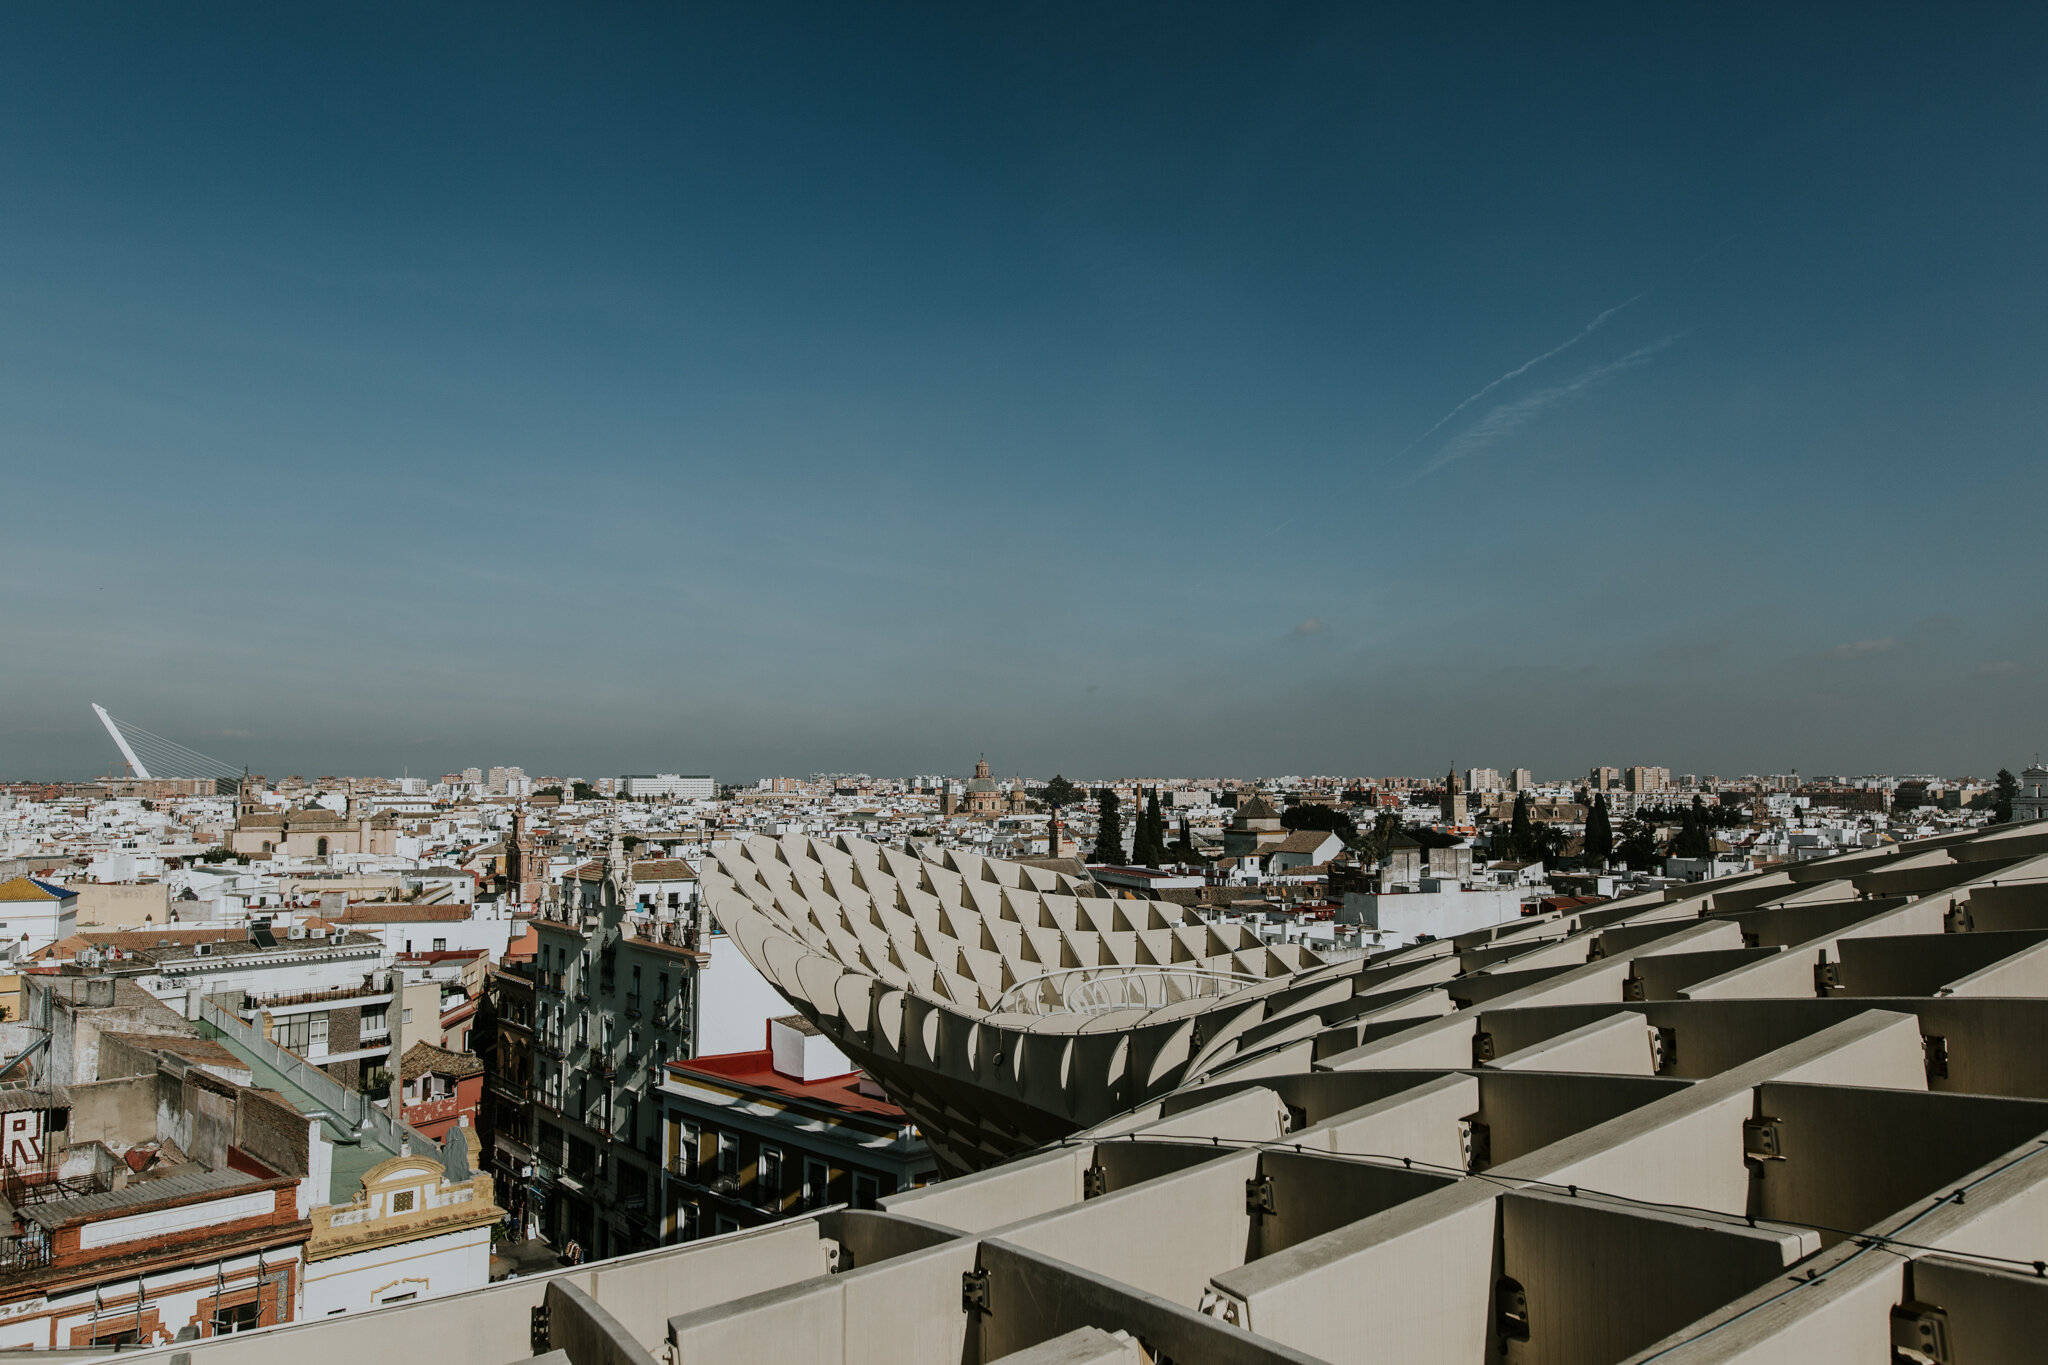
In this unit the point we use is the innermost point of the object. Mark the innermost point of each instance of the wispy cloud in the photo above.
(1504, 419)
(1313, 626)
(1998, 668)
(1857, 649)
(1517, 373)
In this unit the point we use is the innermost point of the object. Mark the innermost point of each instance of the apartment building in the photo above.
(615, 999)
(1643, 780)
(668, 786)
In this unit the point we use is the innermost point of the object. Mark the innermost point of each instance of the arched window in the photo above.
(320, 849)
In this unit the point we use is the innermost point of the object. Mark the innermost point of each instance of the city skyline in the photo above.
(1212, 391)
(173, 761)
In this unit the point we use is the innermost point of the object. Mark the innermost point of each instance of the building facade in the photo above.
(752, 1137)
(615, 999)
(2030, 802)
(668, 786)
(409, 1233)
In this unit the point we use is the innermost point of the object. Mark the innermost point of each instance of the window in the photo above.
(690, 1225)
(440, 945)
(376, 1019)
(300, 1032)
(768, 1178)
(726, 1224)
(817, 1183)
(728, 1154)
(583, 1030)
(866, 1191)
(320, 849)
(239, 1317)
(689, 1149)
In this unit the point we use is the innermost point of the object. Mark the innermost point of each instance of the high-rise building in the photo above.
(1522, 780)
(1643, 779)
(1604, 779)
(1482, 779)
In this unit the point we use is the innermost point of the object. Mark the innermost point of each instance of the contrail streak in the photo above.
(1508, 416)
(1517, 373)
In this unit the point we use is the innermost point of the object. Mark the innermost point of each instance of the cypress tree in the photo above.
(1109, 828)
(1522, 835)
(1693, 840)
(1599, 832)
(1154, 831)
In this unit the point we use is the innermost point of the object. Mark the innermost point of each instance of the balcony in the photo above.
(633, 1006)
(252, 1003)
(670, 933)
(24, 1255)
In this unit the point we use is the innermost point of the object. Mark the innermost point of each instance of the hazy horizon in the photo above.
(1150, 390)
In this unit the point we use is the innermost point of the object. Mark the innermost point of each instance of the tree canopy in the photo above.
(1638, 846)
(1311, 815)
(1058, 792)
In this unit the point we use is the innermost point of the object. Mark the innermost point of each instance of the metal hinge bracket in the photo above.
(1094, 1182)
(1920, 1334)
(1258, 1194)
(1763, 1140)
(974, 1291)
(1664, 1049)
(1477, 1141)
(537, 1336)
(1936, 1048)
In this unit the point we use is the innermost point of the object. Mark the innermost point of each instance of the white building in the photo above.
(2031, 801)
(674, 786)
(444, 928)
(661, 884)
(1439, 910)
(35, 913)
(383, 1247)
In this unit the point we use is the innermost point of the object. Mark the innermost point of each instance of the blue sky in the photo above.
(1109, 389)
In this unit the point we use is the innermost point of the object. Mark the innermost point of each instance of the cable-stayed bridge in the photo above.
(152, 756)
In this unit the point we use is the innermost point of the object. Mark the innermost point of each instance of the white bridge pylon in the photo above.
(171, 759)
